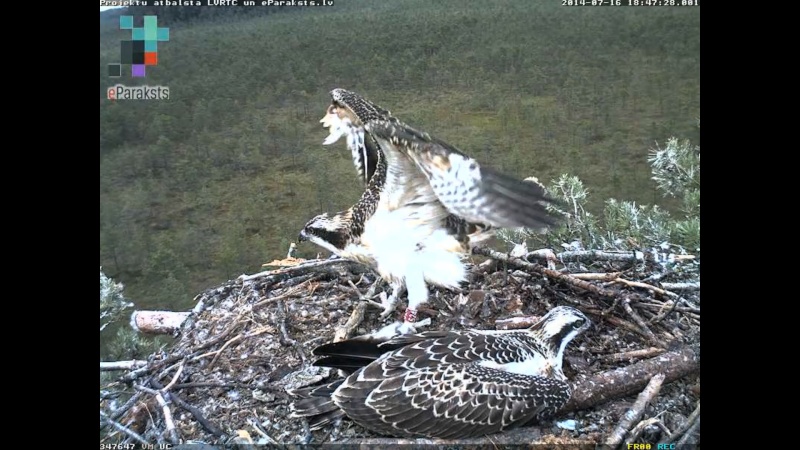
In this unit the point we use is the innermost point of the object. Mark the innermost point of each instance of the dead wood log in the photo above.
(606, 386)
(157, 322)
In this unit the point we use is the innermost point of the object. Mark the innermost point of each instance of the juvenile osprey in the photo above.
(425, 205)
(442, 384)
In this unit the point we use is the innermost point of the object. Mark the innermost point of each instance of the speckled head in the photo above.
(558, 327)
(356, 107)
(331, 233)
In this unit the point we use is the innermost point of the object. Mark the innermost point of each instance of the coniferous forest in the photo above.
(221, 177)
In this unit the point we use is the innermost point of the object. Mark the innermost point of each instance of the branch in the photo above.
(538, 268)
(626, 305)
(633, 354)
(170, 424)
(636, 411)
(211, 428)
(681, 286)
(121, 365)
(119, 427)
(333, 266)
(684, 429)
(352, 323)
(606, 386)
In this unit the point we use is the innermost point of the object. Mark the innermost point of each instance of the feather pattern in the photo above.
(425, 205)
(453, 384)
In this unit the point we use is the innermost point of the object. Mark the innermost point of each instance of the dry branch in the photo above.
(538, 268)
(636, 411)
(158, 322)
(633, 354)
(356, 317)
(211, 428)
(684, 429)
(121, 365)
(605, 386)
(681, 286)
(119, 427)
(516, 323)
(626, 305)
(332, 266)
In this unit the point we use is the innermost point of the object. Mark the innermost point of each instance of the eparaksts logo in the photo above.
(120, 92)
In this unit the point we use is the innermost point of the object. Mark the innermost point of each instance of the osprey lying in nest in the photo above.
(441, 384)
(425, 205)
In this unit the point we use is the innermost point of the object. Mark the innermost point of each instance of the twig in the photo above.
(173, 432)
(286, 340)
(681, 286)
(597, 276)
(121, 365)
(174, 379)
(626, 305)
(538, 268)
(516, 323)
(257, 426)
(211, 428)
(334, 266)
(121, 428)
(291, 292)
(237, 338)
(117, 413)
(630, 256)
(634, 354)
(633, 436)
(636, 411)
(165, 411)
(352, 323)
(689, 433)
(682, 430)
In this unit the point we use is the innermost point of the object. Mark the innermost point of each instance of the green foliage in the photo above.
(112, 302)
(129, 344)
(676, 170)
(626, 225)
(220, 178)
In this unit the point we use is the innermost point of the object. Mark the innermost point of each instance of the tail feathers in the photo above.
(347, 364)
(319, 411)
(363, 348)
(353, 354)
(316, 404)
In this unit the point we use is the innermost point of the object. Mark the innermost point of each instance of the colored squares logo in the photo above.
(142, 49)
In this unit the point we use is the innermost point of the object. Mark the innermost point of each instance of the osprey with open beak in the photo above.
(425, 205)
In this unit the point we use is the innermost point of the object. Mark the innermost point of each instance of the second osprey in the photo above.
(425, 205)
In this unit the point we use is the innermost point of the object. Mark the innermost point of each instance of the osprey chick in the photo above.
(425, 205)
(442, 384)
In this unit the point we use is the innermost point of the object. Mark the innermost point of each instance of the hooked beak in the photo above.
(303, 236)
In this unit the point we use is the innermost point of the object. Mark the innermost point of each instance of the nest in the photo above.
(224, 380)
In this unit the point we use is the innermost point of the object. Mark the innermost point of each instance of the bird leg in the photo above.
(417, 295)
(389, 304)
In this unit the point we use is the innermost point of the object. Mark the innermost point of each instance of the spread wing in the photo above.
(439, 386)
(362, 147)
(467, 190)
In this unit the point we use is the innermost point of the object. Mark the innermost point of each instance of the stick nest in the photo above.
(224, 380)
